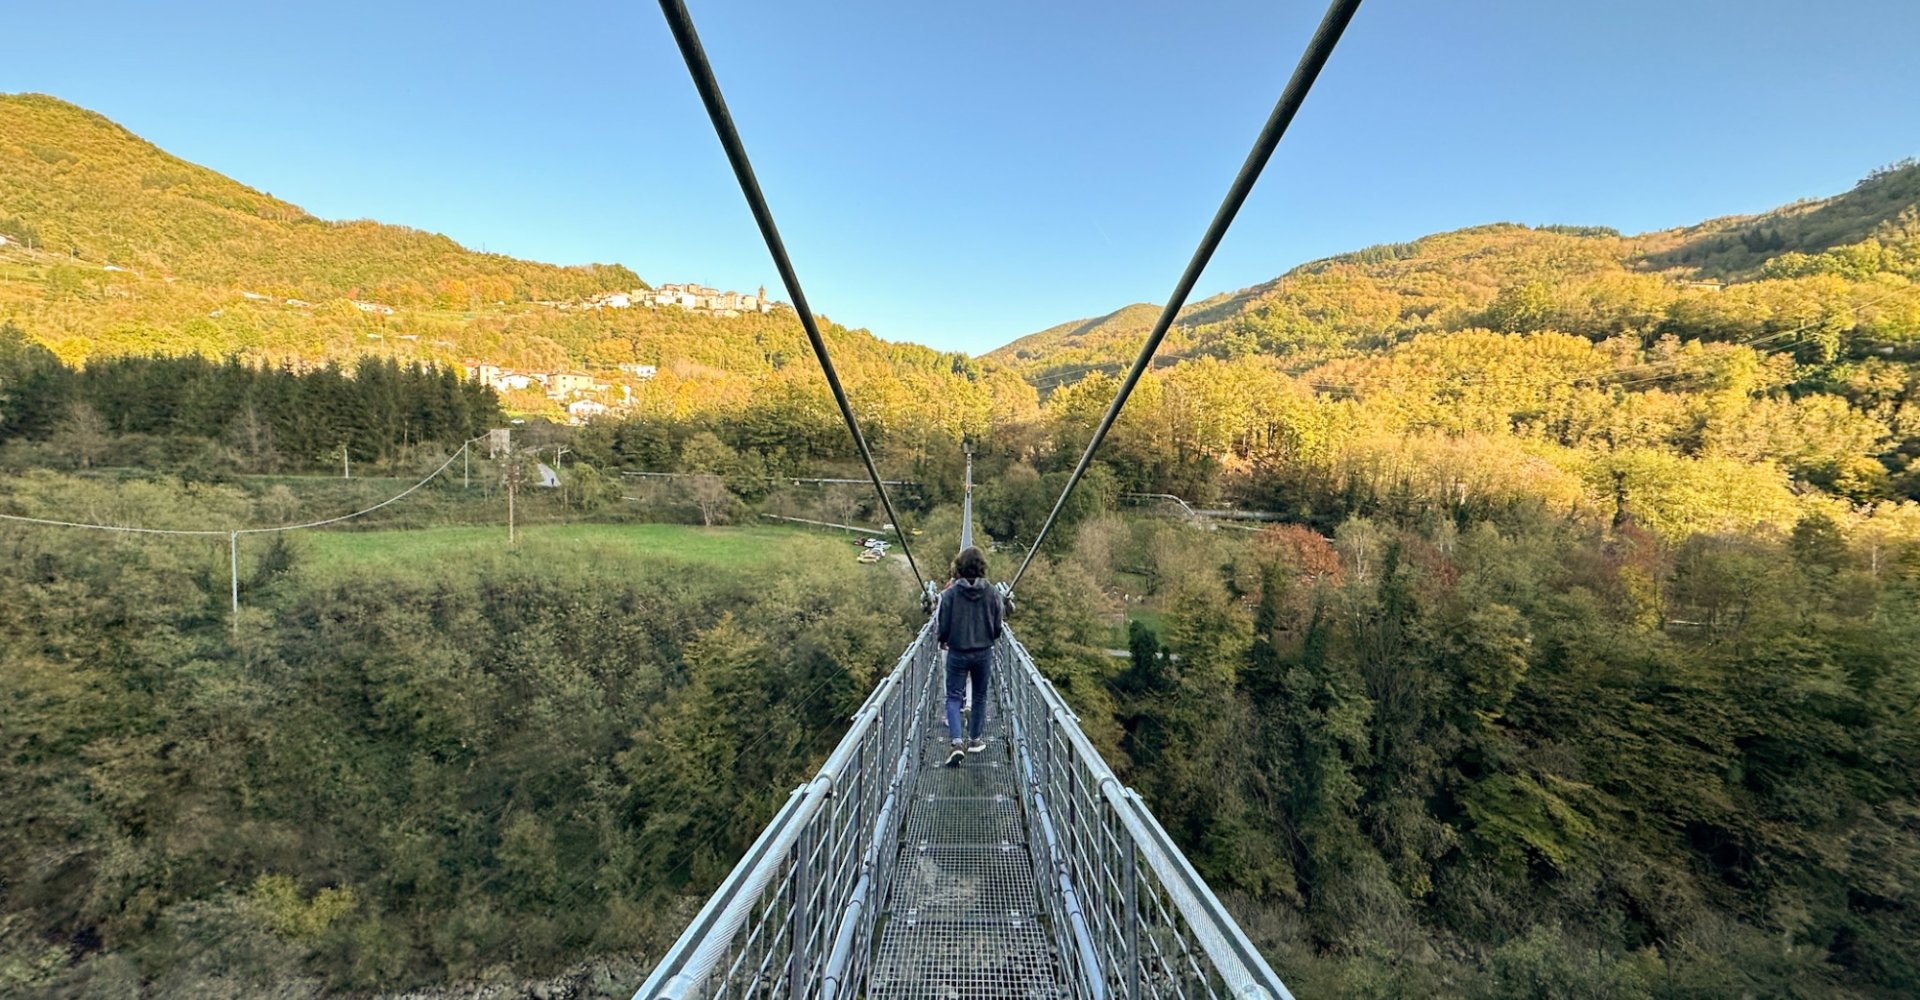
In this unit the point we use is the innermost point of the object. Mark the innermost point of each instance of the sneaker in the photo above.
(976, 746)
(958, 755)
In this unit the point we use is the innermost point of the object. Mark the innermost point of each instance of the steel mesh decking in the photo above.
(953, 960)
(936, 819)
(986, 884)
(977, 779)
(963, 915)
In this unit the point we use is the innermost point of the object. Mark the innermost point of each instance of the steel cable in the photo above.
(1339, 13)
(681, 23)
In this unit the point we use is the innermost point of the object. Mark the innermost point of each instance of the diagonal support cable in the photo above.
(1339, 13)
(681, 23)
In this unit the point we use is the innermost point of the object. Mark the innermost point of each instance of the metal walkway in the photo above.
(1029, 872)
(963, 915)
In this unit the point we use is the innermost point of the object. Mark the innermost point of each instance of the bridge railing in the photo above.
(1130, 916)
(796, 916)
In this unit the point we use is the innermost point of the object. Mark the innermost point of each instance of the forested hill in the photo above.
(1586, 280)
(77, 185)
(113, 247)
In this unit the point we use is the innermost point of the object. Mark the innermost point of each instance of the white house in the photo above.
(581, 410)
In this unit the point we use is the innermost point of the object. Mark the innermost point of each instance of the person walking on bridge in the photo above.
(970, 617)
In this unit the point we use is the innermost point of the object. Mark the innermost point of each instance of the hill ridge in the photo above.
(1377, 295)
(109, 245)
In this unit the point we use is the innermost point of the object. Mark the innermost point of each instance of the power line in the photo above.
(1319, 48)
(403, 494)
(681, 24)
(1065, 375)
(212, 532)
(233, 534)
(114, 527)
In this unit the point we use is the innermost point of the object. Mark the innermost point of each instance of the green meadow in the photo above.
(568, 548)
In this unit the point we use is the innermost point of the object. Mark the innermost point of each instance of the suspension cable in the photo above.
(681, 23)
(1339, 13)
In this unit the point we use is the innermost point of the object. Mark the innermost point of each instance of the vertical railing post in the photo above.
(1046, 768)
(1073, 820)
(1130, 887)
(797, 913)
(861, 813)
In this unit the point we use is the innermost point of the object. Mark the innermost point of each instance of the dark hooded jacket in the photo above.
(970, 616)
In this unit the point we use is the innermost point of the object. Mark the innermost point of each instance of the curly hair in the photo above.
(971, 563)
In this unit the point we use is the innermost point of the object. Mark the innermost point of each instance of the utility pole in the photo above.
(346, 464)
(513, 476)
(466, 465)
(233, 552)
(559, 450)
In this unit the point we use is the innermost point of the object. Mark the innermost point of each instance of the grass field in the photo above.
(1149, 617)
(569, 547)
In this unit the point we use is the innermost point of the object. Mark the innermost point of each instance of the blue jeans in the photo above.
(972, 665)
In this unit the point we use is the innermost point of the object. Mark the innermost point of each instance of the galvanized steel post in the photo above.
(797, 912)
(1130, 885)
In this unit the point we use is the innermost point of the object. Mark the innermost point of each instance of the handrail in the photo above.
(1117, 846)
(775, 920)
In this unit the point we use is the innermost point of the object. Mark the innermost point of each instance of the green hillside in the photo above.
(1584, 280)
(78, 186)
(115, 247)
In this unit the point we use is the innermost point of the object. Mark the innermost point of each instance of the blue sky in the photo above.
(963, 174)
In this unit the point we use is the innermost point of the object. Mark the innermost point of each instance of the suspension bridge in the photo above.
(1028, 871)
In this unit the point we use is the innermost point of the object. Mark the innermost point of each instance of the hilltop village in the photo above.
(694, 298)
(583, 396)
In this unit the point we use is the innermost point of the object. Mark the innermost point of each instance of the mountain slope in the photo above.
(113, 246)
(76, 184)
(1884, 206)
(1587, 280)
